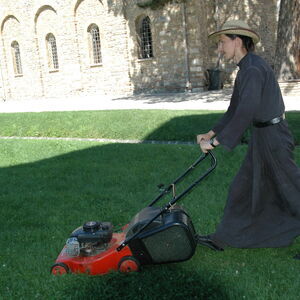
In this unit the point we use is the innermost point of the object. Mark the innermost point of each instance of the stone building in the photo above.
(51, 48)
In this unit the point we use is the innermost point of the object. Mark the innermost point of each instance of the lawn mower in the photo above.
(155, 235)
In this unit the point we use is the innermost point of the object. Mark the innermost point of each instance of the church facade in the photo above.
(51, 48)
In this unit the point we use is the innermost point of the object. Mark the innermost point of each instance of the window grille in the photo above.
(16, 58)
(95, 44)
(52, 52)
(145, 39)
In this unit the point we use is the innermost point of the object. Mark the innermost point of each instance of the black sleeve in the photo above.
(218, 127)
(250, 91)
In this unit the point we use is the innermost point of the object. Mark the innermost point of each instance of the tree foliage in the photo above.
(157, 4)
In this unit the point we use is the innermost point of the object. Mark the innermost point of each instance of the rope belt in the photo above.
(268, 123)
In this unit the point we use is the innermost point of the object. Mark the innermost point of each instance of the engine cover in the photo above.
(93, 233)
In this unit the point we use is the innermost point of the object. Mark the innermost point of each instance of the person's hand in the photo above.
(205, 145)
(205, 136)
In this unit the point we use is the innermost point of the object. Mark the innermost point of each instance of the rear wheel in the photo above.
(129, 264)
(60, 269)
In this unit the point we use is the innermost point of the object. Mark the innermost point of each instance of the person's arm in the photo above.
(220, 124)
(223, 121)
(250, 89)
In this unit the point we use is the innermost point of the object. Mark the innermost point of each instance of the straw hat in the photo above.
(236, 27)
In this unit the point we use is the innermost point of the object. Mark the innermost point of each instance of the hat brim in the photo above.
(239, 31)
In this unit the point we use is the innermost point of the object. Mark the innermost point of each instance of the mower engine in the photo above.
(90, 239)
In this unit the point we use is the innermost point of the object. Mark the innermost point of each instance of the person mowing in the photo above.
(263, 204)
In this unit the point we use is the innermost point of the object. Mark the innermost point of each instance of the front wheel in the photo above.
(129, 264)
(59, 269)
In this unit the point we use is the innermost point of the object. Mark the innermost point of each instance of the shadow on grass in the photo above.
(43, 201)
(186, 128)
(163, 282)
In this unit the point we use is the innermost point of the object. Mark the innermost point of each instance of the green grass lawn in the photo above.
(49, 188)
(122, 124)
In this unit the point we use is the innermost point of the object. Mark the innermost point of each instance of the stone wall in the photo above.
(179, 47)
(29, 22)
(261, 16)
(181, 51)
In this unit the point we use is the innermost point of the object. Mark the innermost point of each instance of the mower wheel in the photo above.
(59, 269)
(129, 264)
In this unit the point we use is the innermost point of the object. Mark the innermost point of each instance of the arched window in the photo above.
(16, 58)
(94, 44)
(145, 38)
(52, 52)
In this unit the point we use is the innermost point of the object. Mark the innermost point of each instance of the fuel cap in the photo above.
(91, 226)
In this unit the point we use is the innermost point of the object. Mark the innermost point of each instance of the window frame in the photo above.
(94, 44)
(144, 38)
(52, 52)
(16, 56)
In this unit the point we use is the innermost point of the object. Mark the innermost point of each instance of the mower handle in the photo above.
(175, 199)
(189, 170)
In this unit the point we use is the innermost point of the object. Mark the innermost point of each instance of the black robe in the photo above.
(263, 205)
